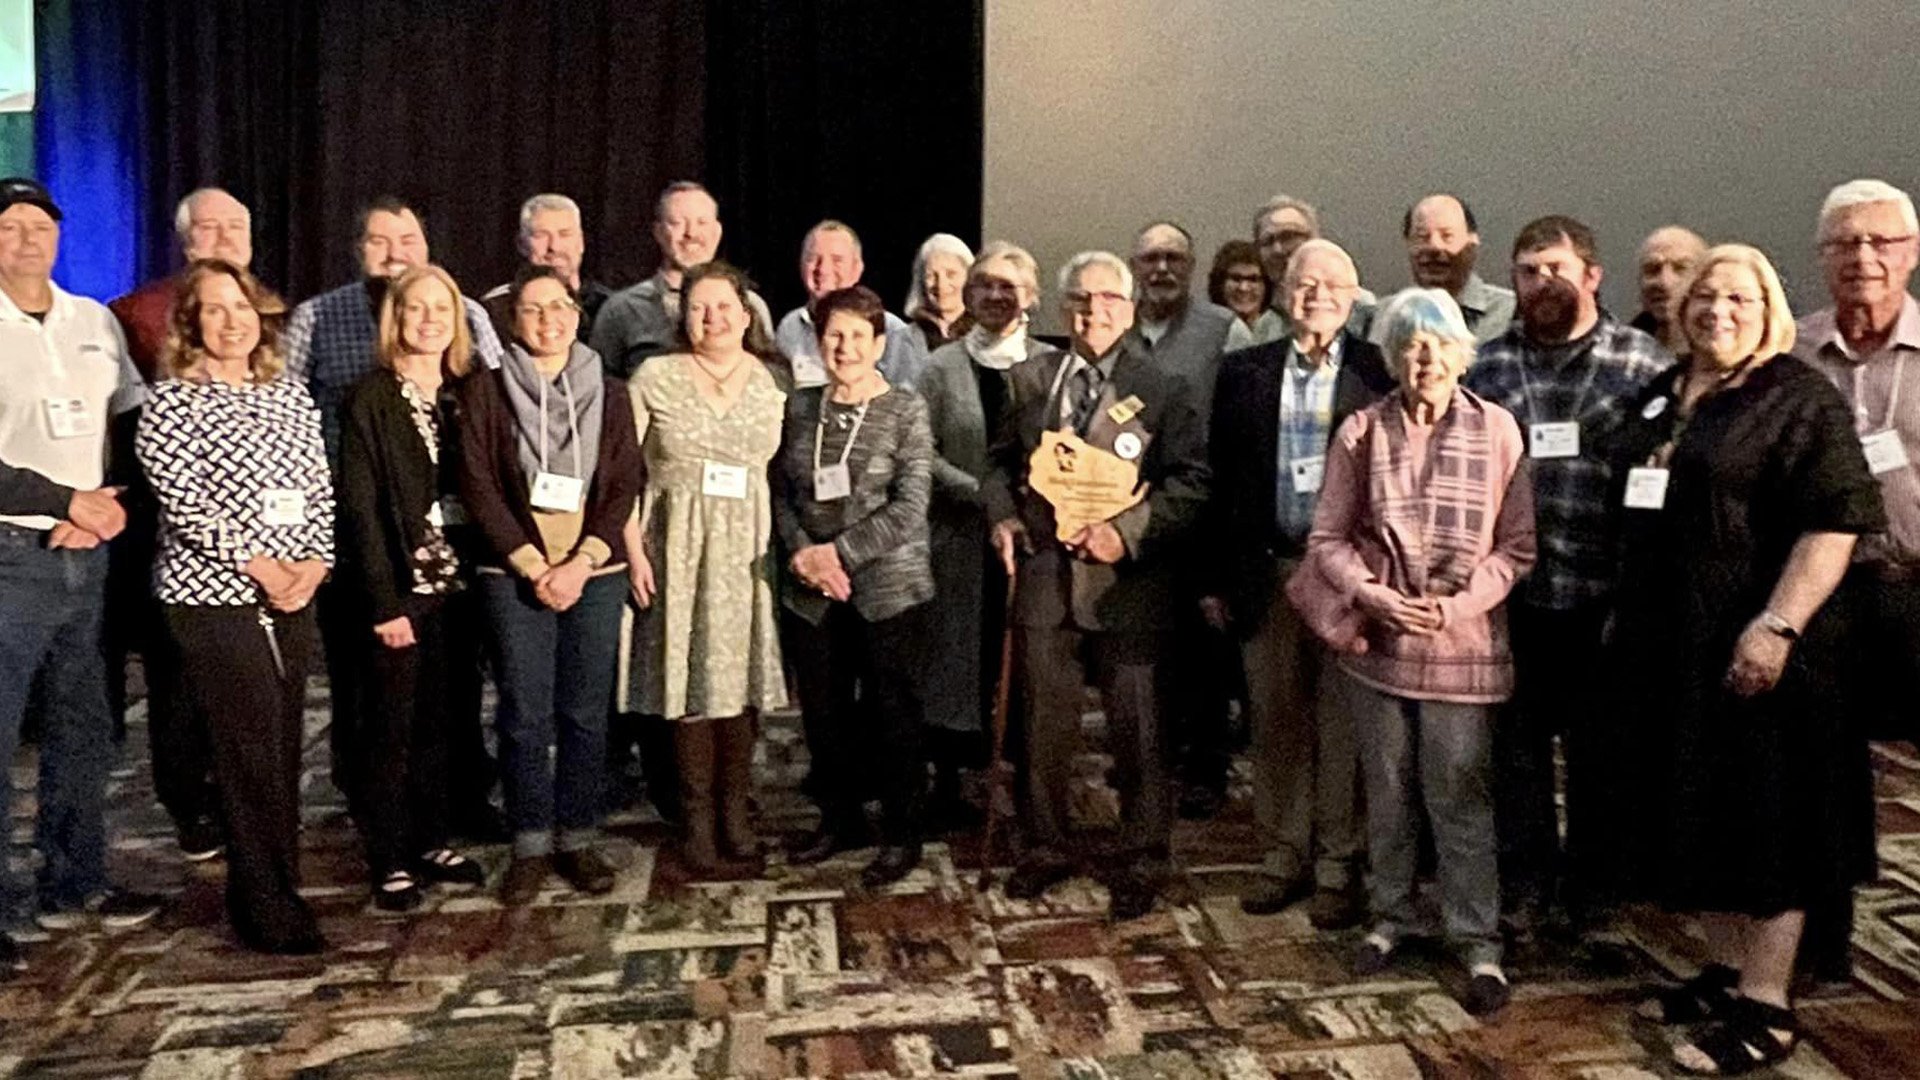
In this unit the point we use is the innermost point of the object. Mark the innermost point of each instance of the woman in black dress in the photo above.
(1744, 492)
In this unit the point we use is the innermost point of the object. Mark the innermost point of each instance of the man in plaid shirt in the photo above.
(1566, 370)
(330, 338)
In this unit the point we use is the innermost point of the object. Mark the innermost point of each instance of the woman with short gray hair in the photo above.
(1425, 520)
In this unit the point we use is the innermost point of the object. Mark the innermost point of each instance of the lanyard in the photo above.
(1579, 403)
(1893, 396)
(1683, 418)
(573, 425)
(820, 432)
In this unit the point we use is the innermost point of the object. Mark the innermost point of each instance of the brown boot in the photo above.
(693, 751)
(734, 736)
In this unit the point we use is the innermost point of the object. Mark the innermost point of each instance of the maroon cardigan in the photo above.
(495, 489)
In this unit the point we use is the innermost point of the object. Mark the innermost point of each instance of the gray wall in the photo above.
(1731, 117)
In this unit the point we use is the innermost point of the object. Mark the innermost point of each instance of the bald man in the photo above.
(1667, 256)
(1443, 245)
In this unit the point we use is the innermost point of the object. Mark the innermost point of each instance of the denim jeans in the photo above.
(556, 673)
(51, 609)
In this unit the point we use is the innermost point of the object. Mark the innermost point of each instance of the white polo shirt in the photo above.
(61, 381)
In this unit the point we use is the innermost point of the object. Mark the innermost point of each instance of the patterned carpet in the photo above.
(801, 973)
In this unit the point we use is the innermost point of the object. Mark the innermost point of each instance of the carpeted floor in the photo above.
(800, 973)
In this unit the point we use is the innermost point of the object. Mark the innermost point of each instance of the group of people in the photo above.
(1422, 538)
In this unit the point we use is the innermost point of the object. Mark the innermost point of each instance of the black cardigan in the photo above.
(385, 488)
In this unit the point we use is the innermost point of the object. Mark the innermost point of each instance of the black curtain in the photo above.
(306, 111)
(866, 112)
(790, 110)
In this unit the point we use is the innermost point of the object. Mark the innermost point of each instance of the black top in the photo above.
(1760, 804)
(388, 486)
(993, 393)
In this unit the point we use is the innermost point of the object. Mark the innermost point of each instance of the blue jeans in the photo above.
(556, 673)
(51, 608)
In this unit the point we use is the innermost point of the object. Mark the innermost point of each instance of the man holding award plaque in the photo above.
(1098, 476)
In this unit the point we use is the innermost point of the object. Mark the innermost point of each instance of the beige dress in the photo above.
(709, 645)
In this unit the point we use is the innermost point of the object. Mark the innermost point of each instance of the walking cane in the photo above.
(1002, 690)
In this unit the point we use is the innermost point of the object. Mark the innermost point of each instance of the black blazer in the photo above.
(1137, 593)
(384, 490)
(1243, 448)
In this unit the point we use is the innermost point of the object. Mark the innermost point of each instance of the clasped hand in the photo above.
(93, 517)
(819, 568)
(1407, 614)
(289, 585)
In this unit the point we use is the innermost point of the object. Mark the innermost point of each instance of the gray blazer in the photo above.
(880, 530)
(1190, 350)
(960, 428)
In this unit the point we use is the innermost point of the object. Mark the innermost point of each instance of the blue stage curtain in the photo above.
(86, 138)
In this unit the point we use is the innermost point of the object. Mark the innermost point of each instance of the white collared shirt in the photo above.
(79, 352)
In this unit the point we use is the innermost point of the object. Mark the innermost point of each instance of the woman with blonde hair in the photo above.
(399, 514)
(1744, 490)
(233, 451)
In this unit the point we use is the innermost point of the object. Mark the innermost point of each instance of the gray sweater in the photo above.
(880, 529)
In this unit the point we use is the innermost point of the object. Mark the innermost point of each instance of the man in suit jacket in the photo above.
(1099, 603)
(1185, 337)
(1275, 409)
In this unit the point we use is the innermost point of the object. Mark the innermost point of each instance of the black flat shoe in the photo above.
(821, 846)
(893, 863)
(399, 892)
(444, 866)
(1029, 881)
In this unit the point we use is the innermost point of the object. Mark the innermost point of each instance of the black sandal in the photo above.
(1744, 1039)
(1703, 997)
(444, 866)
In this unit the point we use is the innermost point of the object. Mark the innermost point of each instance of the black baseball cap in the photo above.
(19, 189)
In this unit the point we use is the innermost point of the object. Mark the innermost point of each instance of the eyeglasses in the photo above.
(1309, 286)
(1088, 300)
(554, 309)
(1846, 245)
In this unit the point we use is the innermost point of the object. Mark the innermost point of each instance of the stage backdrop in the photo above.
(788, 109)
(1728, 116)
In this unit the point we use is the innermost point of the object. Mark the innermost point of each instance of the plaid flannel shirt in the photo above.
(1306, 422)
(1592, 383)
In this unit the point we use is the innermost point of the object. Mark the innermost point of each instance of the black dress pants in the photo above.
(404, 771)
(251, 686)
(861, 708)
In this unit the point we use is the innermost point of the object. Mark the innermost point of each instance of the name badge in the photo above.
(1647, 488)
(808, 371)
(1885, 452)
(724, 481)
(1308, 474)
(831, 482)
(1560, 439)
(552, 491)
(447, 511)
(283, 506)
(1126, 410)
(69, 418)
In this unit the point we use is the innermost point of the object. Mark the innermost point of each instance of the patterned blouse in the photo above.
(239, 471)
(436, 570)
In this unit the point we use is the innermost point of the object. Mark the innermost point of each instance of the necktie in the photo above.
(1086, 392)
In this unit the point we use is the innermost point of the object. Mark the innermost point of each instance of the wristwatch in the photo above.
(1774, 624)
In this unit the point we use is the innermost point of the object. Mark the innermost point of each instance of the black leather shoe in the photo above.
(1131, 896)
(586, 870)
(1030, 880)
(1278, 896)
(894, 862)
(1199, 803)
(821, 846)
(11, 958)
